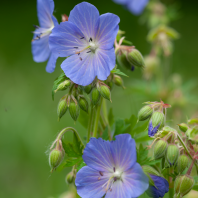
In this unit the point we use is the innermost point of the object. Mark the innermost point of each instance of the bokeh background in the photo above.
(28, 120)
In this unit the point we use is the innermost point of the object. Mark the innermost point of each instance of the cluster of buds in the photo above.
(155, 111)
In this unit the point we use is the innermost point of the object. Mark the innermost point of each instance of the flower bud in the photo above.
(88, 88)
(83, 103)
(157, 119)
(183, 185)
(118, 81)
(183, 127)
(144, 113)
(160, 148)
(95, 96)
(62, 108)
(193, 121)
(110, 84)
(55, 158)
(74, 110)
(172, 154)
(123, 60)
(182, 163)
(105, 92)
(70, 178)
(63, 86)
(136, 58)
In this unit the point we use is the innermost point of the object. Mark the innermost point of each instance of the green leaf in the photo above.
(117, 71)
(57, 81)
(82, 164)
(195, 187)
(111, 117)
(69, 150)
(120, 127)
(142, 137)
(78, 144)
(71, 161)
(132, 121)
(105, 135)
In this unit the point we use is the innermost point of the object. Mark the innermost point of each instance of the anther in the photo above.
(89, 51)
(76, 47)
(90, 39)
(78, 53)
(82, 37)
(98, 178)
(101, 173)
(80, 58)
(114, 169)
(36, 26)
(115, 179)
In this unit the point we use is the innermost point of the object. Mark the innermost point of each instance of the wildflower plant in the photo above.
(115, 160)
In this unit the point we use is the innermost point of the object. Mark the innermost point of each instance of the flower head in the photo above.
(161, 187)
(40, 42)
(134, 6)
(87, 40)
(111, 170)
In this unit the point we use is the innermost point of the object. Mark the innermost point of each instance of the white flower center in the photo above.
(93, 46)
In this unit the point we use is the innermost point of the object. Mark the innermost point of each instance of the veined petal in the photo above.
(104, 62)
(66, 39)
(85, 17)
(137, 6)
(54, 20)
(79, 68)
(90, 183)
(97, 155)
(45, 9)
(107, 30)
(135, 181)
(123, 152)
(51, 63)
(40, 49)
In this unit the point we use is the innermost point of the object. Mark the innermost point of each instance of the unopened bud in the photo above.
(172, 154)
(105, 92)
(157, 119)
(63, 86)
(193, 121)
(70, 178)
(160, 148)
(55, 158)
(182, 163)
(136, 58)
(183, 127)
(88, 88)
(62, 108)
(95, 96)
(118, 81)
(83, 104)
(123, 60)
(183, 185)
(110, 84)
(144, 113)
(74, 110)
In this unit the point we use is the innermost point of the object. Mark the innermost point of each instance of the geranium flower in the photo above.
(161, 187)
(111, 170)
(152, 130)
(40, 42)
(87, 40)
(134, 6)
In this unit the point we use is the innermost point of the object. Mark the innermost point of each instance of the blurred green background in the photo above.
(28, 120)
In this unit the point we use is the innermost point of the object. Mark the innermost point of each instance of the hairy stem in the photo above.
(90, 124)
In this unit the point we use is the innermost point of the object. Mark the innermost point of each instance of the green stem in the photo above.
(90, 124)
(104, 110)
(97, 118)
(171, 192)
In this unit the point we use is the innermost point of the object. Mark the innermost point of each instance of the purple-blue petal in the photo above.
(45, 10)
(51, 63)
(65, 39)
(137, 6)
(104, 62)
(40, 49)
(124, 151)
(152, 131)
(97, 155)
(89, 183)
(122, 2)
(85, 17)
(107, 30)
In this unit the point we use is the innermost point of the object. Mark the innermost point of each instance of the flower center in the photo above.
(93, 46)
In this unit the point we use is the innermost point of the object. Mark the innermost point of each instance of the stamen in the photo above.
(109, 182)
(82, 37)
(36, 26)
(82, 50)
(101, 173)
(89, 51)
(114, 169)
(90, 39)
(99, 178)
(76, 47)
(115, 179)
(80, 58)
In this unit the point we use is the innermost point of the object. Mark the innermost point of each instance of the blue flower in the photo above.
(162, 187)
(40, 42)
(111, 170)
(87, 40)
(152, 130)
(134, 6)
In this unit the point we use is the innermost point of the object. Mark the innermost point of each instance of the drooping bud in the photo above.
(193, 121)
(172, 154)
(95, 96)
(183, 127)
(70, 178)
(88, 88)
(160, 148)
(118, 81)
(55, 158)
(144, 113)
(62, 107)
(123, 60)
(74, 110)
(136, 58)
(105, 92)
(83, 103)
(182, 163)
(63, 86)
(183, 185)
(157, 119)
